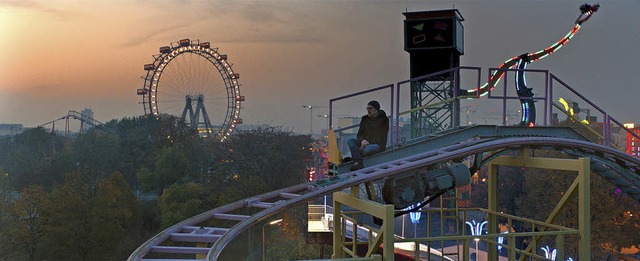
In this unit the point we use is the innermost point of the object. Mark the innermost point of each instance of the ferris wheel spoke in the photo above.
(177, 91)
(179, 79)
(218, 98)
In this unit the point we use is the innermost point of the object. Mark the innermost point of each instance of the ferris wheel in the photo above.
(189, 73)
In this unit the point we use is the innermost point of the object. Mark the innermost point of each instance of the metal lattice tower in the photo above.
(437, 117)
(434, 41)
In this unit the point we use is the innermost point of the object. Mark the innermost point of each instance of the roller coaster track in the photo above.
(77, 116)
(618, 168)
(528, 105)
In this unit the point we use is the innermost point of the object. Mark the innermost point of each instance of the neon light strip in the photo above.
(497, 75)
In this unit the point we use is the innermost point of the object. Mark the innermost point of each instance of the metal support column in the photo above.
(338, 224)
(492, 204)
(384, 236)
(581, 185)
(584, 209)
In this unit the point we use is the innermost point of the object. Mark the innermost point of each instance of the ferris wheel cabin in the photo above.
(184, 42)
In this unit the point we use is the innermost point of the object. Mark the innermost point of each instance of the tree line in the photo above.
(99, 195)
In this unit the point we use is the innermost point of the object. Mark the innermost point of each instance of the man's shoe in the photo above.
(356, 166)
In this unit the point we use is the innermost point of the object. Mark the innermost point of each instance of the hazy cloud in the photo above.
(40, 7)
(229, 21)
(275, 22)
(153, 34)
(19, 3)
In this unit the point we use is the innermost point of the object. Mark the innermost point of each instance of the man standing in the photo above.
(372, 135)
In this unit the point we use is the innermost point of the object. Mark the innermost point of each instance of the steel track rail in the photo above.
(301, 193)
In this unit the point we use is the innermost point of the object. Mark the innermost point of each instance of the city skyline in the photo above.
(69, 55)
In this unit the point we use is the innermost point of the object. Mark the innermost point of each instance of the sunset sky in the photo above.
(61, 55)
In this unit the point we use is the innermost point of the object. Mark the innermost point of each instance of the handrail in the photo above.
(579, 122)
(332, 100)
(551, 82)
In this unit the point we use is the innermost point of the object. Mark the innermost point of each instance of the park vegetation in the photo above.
(101, 194)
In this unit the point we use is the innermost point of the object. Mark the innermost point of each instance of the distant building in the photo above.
(618, 134)
(10, 129)
(86, 116)
(633, 143)
(346, 122)
(404, 130)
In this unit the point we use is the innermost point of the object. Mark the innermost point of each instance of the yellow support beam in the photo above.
(581, 185)
(384, 237)
(201, 256)
(338, 234)
(584, 209)
(536, 162)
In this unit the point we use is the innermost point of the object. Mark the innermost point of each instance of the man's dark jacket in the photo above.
(374, 130)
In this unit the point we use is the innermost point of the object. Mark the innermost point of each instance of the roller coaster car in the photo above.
(404, 190)
(589, 8)
(525, 92)
(412, 188)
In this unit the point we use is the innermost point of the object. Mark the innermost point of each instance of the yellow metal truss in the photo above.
(384, 235)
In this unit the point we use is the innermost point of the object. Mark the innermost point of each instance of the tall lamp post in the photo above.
(326, 116)
(264, 252)
(310, 107)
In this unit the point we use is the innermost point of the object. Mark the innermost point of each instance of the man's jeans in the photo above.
(357, 153)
